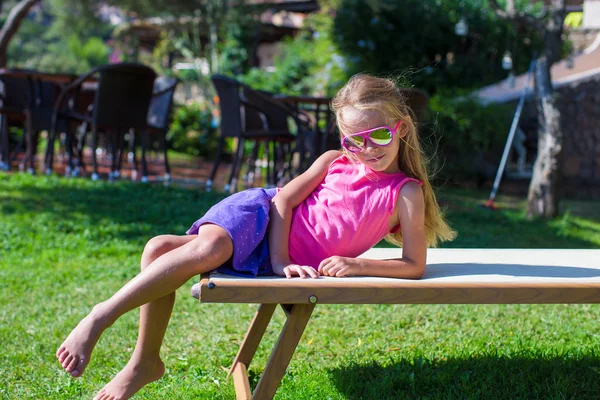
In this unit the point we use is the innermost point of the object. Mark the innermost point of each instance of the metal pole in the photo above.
(511, 136)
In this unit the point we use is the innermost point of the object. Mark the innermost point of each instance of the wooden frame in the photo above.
(453, 276)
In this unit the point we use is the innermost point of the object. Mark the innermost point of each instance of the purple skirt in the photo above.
(245, 217)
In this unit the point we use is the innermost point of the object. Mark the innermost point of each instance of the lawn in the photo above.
(66, 244)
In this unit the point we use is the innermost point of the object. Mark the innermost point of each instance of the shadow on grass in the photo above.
(149, 209)
(134, 207)
(487, 377)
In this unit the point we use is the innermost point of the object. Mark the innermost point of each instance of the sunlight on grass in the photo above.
(66, 244)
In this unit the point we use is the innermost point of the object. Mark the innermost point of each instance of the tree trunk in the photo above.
(543, 197)
(11, 26)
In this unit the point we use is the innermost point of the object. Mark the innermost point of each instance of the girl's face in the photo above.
(378, 158)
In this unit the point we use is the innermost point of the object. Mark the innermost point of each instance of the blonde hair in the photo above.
(369, 93)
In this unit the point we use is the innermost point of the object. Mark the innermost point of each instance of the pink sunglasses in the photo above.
(380, 136)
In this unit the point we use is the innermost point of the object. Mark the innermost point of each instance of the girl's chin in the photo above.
(381, 165)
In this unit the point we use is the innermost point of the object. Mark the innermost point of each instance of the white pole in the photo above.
(511, 134)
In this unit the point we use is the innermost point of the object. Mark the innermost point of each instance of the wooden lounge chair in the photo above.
(453, 276)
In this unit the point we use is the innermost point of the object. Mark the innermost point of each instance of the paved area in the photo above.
(189, 172)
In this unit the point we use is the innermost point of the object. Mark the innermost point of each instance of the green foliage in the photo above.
(50, 40)
(193, 130)
(307, 64)
(221, 34)
(93, 51)
(74, 18)
(466, 137)
(238, 33)
(292, 65)
(417, 36)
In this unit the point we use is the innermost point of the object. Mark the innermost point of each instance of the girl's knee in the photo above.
(157, 246)
(215, 245)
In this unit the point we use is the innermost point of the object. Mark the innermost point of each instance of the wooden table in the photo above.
(58, 78)
(452, 276)
(38, 114)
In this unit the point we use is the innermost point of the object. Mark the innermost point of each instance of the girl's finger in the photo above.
(323, 263)
(341, 272)
(300, 272)
(333, 270)
(327, 264)
(312, 272)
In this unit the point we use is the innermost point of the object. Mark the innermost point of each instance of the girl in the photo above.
(340, 207)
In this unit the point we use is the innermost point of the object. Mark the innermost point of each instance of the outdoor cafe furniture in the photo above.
(13, 111)
(277, 115)
(122, 95)
(246, 121)
(159, 120)
(28, 98)
(321, 123)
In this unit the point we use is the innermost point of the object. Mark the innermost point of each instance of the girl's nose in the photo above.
(369, 146)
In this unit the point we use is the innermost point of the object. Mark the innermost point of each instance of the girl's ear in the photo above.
(402, 130)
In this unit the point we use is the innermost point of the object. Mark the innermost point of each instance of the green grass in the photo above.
(66, 244)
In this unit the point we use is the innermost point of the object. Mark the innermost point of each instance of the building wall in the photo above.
(580, 120)
(266, 53)
(591, 14)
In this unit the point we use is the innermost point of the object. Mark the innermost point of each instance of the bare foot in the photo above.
(131, 379)
(75, 352)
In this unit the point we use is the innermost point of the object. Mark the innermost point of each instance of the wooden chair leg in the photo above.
(239, 368)
(284, 350)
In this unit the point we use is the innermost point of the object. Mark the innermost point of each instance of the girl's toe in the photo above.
(67, 361)
(72, 364)
(63, 355)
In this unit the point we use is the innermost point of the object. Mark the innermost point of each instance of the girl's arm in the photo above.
(282, 205)
(411, 214)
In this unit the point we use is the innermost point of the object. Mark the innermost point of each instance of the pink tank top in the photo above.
(347, 214)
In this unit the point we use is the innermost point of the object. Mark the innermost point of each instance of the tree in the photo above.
(416, 38)
(204, 28)
(543, 196)
(10, 27)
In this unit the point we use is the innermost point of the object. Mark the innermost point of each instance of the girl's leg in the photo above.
(145, 365)
(204, 252)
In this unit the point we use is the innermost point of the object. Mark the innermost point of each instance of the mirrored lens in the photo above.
(381, 137)
(354, 143)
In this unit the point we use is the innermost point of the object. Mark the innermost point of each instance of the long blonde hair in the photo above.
(369, 93)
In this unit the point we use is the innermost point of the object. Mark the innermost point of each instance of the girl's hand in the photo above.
(291, 270)
(341, 266)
